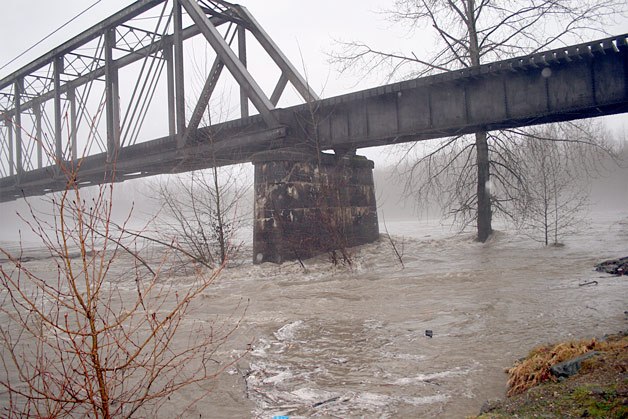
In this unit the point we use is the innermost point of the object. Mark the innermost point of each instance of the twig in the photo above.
(333, 399)
(393, 244)
(588, 283)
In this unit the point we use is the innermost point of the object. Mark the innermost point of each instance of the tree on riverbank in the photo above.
(101, 333)
(468, 33)
(556, 176)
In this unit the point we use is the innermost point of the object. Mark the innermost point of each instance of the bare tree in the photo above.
(558, 162)
(202, 212)
(558, 202)
(102, 333)
(469, 33)
(556, 198)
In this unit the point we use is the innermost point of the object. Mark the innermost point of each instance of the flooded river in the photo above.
(350, 341)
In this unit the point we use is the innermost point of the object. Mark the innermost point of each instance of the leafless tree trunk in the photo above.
(469, 33)
(484, 212)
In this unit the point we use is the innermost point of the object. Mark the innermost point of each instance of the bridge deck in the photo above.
(579, 81)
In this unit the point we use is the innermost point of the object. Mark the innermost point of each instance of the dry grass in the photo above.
(535, 368)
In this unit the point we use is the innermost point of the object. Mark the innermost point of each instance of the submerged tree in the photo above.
(203, 211)
(468, 33)
(556, 198)
(557, 162)
(556, 195)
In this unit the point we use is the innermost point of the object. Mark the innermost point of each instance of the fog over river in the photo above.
(350, 341)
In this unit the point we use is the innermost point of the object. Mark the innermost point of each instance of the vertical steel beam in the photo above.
(244, 99)
(178, 73)
(72, 99)
(112, 97)
(9, 122)
(172, 121)
(38, 132)
(58, 68)
(18, 89)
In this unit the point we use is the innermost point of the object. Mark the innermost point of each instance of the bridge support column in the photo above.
(307, 205)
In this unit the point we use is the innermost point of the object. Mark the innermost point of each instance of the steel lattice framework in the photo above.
(66, 105)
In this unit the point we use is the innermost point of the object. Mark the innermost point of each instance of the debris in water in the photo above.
(333, 399)
(588, 283)
(614, 266)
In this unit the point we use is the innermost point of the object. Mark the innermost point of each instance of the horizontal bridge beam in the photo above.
(219, 145)
(582, 81)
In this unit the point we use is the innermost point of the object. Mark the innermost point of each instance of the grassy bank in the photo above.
(599, 390)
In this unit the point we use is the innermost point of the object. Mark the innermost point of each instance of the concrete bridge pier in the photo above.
(307, 204)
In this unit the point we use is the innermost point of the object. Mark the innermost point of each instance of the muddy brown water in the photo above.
(351, 341)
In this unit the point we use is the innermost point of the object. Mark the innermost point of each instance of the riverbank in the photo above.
(598, 390)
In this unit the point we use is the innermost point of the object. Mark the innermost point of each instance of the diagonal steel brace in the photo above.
(203, 100)
(288, 70)
(261, 102)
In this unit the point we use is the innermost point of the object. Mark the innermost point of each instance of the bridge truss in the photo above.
(94, 98)
(91, 101)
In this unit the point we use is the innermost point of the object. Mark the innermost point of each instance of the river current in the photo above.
(352, 341)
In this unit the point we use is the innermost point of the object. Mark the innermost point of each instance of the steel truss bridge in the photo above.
(115, 101)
